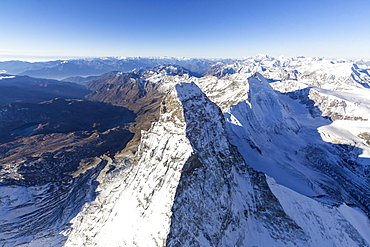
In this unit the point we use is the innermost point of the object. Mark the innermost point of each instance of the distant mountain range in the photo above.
(62, 69)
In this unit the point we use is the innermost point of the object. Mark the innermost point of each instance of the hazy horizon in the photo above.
(34, 59)
(50, 30)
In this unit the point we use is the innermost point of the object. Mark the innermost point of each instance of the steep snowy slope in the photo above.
(190, 187)
(285, 136)
(281, 136)
(186, 165)
(140, 213)
(220, 201)
(292, 151)
(35, 215)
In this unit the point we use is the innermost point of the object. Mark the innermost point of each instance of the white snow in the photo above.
(271, 131)
(274, 133)
(137, 211)
(7, 77)
(357, 219)
(326, 225)
(347, 132)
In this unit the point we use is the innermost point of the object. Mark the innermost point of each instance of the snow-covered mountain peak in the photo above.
(187, 91)
(265, 151)
(267, 107)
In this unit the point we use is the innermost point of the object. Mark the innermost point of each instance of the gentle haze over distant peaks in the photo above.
(45, 30)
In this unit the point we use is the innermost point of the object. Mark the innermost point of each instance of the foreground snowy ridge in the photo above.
(214, 197)
(194, 172)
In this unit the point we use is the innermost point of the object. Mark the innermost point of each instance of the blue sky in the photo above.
(49, 29)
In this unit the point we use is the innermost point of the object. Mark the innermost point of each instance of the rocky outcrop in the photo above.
(220, 200)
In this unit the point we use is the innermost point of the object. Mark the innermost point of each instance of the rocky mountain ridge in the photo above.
(261, 152)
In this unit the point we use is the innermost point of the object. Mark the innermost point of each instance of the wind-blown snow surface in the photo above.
(260, 152)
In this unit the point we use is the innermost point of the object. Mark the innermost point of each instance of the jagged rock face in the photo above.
(128, 89)
(220, 200)
(186, 165)
(140, 213)
(190, 187)
(141, 91)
